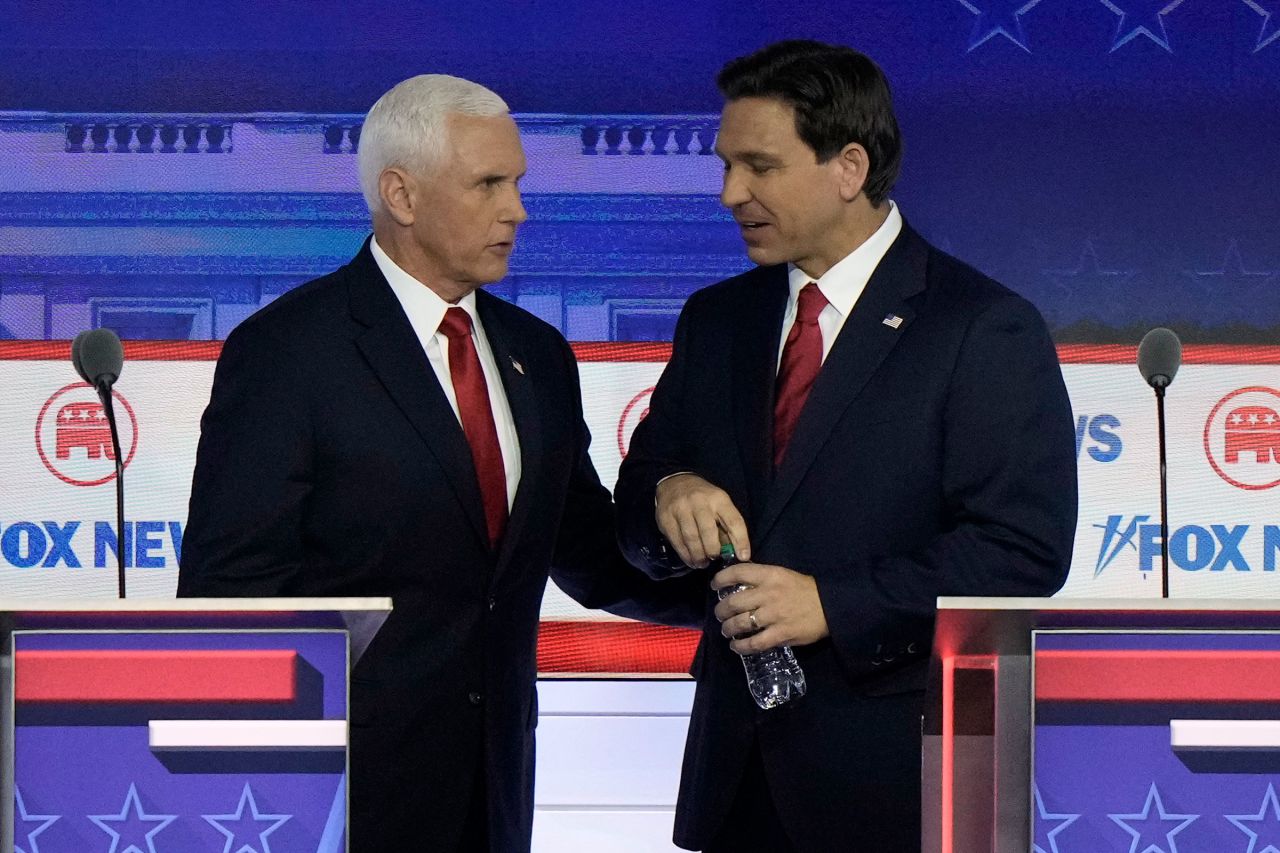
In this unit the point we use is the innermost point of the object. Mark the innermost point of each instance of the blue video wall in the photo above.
(167, 169)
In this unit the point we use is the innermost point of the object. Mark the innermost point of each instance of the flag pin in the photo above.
(893, 321)
(518, 366)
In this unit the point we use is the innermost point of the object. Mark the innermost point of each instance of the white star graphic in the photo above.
(1268, 818)
(1270, 25)
(22, 816)
(1050, 844)
(1150, 24)
(999, 18)
(233, 844)
(1237, 419)
(1145, 819)
(131, 813)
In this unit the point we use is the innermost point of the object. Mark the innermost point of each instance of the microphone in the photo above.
(98, 357)
(75, 356)
(101, 358)
(1159, 357)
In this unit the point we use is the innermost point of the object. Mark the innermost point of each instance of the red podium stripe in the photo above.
(155, 676)
(1157, 676)
(615, 647)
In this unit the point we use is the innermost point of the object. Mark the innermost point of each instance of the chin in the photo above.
(762, 256)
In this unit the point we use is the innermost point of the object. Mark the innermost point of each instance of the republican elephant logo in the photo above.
(1252, 429)
(1242, 438)
(83, 426)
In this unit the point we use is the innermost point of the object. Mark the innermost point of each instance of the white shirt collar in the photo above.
(423, 305)
(844, 282)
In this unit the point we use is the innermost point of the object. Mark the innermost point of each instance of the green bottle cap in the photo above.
(727, 552)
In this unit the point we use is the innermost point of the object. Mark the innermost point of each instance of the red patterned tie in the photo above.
(477, 418)
(801, 361)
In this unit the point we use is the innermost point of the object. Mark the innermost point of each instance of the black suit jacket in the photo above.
(936, 458)
(331, 464)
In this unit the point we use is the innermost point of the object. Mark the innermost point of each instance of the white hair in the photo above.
(406, 126)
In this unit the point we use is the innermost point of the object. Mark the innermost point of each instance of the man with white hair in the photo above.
(391, 429)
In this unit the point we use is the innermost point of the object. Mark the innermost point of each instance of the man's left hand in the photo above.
(785, 603)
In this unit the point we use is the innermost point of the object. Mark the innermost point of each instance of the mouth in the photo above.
(752, 229)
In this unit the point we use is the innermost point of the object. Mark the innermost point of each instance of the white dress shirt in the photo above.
(425, 310)
(842, 284)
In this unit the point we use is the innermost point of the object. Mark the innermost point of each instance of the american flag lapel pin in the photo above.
(893, 321)
(517, 365)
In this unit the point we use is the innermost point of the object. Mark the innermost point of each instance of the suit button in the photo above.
(493, 603)
(475, 698)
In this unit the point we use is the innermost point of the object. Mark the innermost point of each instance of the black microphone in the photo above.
(101, 357)
(98, 357)
(75, 356)
(1159, 357)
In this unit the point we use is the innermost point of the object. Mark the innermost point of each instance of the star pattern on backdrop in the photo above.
(1151, 833)
(1269, 11)
(1141, 18)
(1046, 837)
(238, 826)
(133, 835)
(999, 18)
(1264, 837)
(21, 829)
(1091, 290)
(1231, 287)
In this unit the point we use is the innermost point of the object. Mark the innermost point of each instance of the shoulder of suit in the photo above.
(731, 290)
(296, 320)
(954, 282)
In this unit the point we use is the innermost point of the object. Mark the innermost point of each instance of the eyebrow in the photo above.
(752, 158)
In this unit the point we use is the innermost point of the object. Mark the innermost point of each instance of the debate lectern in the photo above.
(189, 724)
(1064, 725)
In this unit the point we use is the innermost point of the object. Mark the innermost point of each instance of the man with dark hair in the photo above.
(872, 424)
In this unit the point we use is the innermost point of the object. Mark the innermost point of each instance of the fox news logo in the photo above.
(1192, 547)
(1098, 437)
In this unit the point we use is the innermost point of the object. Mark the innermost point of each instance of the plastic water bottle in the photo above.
(773, 677)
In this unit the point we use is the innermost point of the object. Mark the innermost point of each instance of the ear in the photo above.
(398, 190)
(854, 165)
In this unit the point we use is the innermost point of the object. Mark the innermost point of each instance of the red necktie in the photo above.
(801, 361)
(477, 418)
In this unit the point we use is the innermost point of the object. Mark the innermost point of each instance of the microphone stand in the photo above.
(1164, 494)
(103, 388)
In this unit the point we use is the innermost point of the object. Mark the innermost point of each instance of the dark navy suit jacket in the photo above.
(932, 459)
(331, 464)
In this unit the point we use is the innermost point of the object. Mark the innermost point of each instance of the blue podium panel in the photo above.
(178, 740)
(1161, 740)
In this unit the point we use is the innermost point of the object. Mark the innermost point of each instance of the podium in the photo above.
(1057, 725)
(188, 724)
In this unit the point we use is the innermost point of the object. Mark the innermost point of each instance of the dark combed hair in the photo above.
(839, 96)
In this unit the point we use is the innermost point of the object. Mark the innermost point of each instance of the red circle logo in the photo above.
(632, 415)
(1242, 438)
(73, 425)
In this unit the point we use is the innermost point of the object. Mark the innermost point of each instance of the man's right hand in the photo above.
(691, 513)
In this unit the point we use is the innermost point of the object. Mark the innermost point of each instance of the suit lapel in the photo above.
(395, 355)
(522, 399)
(755, 363)
(863, 343)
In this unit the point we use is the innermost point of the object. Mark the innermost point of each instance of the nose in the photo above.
(735, 190)
(514, 211)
